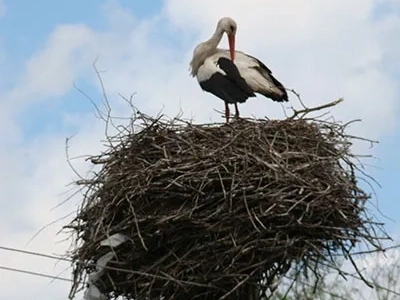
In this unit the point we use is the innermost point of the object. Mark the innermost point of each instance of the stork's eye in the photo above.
(232, 28)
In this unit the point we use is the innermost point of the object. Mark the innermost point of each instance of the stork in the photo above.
(231, 75)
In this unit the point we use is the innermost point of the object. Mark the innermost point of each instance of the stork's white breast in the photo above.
(209, 68)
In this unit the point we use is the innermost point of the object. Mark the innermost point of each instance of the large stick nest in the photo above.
(209, 210)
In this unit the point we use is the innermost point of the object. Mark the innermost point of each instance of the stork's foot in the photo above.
(227, 112)
(237, 114)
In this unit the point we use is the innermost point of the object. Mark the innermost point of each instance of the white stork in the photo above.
(233, 76)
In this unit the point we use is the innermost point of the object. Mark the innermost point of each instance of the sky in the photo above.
(323, 49)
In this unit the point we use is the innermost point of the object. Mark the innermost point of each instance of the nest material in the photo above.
(210, 209)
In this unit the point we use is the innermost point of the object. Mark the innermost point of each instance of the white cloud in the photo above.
(323, 49)
(51, 72)
(33, 191)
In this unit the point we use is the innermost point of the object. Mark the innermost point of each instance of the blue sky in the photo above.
(25, 30)
(145, 47)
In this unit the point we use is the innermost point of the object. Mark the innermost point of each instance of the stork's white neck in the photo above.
(204, 50)
(215, 39)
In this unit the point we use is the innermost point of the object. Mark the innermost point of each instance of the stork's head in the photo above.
(228, 25)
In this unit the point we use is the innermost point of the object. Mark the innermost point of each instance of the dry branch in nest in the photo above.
(206, 211)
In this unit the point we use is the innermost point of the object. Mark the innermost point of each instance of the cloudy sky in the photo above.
(323, 49)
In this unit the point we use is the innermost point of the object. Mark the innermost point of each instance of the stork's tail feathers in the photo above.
(276, 94)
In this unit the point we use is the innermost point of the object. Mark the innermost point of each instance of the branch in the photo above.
(306, 111)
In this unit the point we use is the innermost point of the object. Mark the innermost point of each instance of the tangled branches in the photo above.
(207, 211)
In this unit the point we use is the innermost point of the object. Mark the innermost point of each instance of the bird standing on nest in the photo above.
(231, 75)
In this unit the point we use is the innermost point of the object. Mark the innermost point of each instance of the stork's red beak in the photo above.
(231, 39)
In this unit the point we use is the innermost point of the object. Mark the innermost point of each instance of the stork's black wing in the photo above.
(230, 87)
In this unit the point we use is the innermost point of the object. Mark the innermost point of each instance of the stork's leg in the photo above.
(236, 110)
(227, 112)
